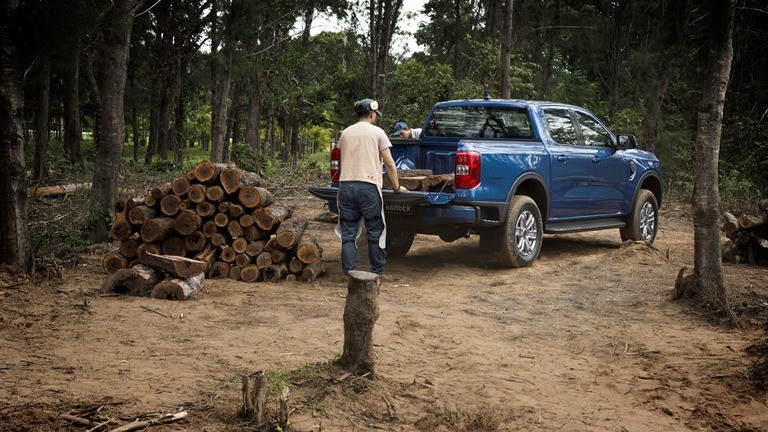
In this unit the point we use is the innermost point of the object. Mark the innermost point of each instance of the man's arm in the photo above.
(389, 163)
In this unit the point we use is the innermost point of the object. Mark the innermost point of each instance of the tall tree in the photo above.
(43, 84)
(117, 37)
(506, 48)
(708, 277)
(15, 245)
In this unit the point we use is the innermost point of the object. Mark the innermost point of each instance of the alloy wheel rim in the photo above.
(526, 234)
(647, 222)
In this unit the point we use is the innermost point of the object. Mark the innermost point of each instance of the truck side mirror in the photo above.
(626, 141)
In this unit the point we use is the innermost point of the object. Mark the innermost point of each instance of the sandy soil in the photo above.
(588, 339)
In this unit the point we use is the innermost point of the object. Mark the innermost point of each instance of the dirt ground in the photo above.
(588, 339)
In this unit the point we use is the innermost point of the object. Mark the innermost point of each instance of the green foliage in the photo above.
(242, 156)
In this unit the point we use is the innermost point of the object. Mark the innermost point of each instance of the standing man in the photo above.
(364, 147)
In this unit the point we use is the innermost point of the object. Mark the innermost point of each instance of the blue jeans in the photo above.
(360, 199)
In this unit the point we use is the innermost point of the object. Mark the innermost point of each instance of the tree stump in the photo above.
(255, 388)
(360, 314)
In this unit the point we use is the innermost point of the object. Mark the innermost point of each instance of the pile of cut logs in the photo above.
(221, 215)
(422, 180)
(748, 237)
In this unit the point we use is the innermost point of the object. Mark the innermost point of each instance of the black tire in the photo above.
(522, 233)
(643, 221)
(399, 243)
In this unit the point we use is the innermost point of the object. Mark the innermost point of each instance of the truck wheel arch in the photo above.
(651, 182)
(531, 184)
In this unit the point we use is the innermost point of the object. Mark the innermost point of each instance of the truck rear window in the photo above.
(480, 122)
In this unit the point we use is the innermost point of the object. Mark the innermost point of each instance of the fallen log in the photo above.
(114, 262)
(288, 233)
(312, 272)
(253, 197)
(141, 214)
(158, 229)
(178, 289)
(176, 266)
(136, 281)
(51, 191)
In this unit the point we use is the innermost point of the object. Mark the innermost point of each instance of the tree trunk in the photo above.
(506, 47)
(40, 170)
(117, 38)
(554, 35)
(252, 128)
(708, 277)
(73, 130)
(15, 244)
(220, 110)
(360, 314)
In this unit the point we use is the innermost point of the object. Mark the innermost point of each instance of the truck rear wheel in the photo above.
(643, 222)
(522, 233)
(399, 243)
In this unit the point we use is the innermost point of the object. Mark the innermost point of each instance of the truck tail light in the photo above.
(467, 169)
(335, 164)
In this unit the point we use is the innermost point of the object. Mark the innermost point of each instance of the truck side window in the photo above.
(593, 132)
(561, 127)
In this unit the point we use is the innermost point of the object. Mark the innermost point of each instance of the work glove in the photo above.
(401, 189)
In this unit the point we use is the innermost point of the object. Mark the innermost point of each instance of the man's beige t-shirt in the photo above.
(361, 145)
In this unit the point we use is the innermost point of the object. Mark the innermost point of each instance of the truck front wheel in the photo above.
(399, 243)
(521, 238)
(643, 222)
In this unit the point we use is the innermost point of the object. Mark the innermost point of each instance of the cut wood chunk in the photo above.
(250, 273)
(272, 244)
(145, 248)
(209, 229)
(196, 193)
(438, 182)
(234, 272)
(289, 232)
(119, 207)
(190, 175)
(255, 247)
(136, 281)
(121, 229)
(209, 254)
(129, 247)
(246, 220)
(411, 183)
(224, 206)
(159, 192)
(228, 254)
(180, 185)
(218, 270)
(176, 266)
(264, 219)
(187, 222)
(150, 201)
(133, 202)
(236, 210)
(748, 221)
(178, 289)
(186, 204)
(174, 246)
(253, 197)
(114, 262)
(207, 171)
(158, 229)
(386, 184)
(264, 259)
(240, 245)
(141, 214)
(308, 250)
(279, 255)
(169, 204)
(234, 228)
(290, 277)
(254, 233)
(275, 272)
(233, 178)
(205, 209)
(221, 220)
(218, 239)
(312, 271)
(195, 242)
(243, 259)
(215, 193)
(295, 265)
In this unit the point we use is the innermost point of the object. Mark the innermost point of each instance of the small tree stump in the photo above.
(360, 314)
(255, 388)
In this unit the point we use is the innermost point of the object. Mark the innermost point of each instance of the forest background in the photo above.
(126, 87)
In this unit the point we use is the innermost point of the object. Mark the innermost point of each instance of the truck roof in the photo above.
(519, 103)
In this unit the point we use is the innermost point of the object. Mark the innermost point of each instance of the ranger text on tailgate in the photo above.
(520, 169)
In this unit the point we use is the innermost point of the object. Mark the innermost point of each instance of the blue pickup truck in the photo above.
(520, 169)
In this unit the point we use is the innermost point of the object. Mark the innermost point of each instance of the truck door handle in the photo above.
(596, 160)
(562, 158)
